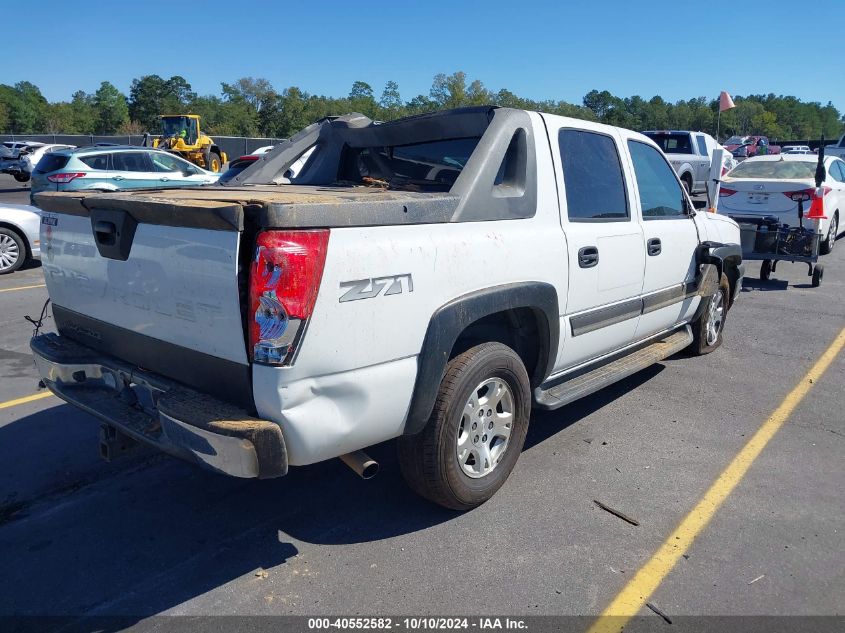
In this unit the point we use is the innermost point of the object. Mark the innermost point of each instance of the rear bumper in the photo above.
(159, 412)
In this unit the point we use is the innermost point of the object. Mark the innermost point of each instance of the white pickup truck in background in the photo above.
(428, 279)
(690, 154)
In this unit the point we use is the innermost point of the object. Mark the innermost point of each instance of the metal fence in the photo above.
(234, 146)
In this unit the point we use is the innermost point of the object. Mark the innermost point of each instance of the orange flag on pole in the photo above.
(725, 102)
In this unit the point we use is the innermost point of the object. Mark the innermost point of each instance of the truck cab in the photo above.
(688, 153)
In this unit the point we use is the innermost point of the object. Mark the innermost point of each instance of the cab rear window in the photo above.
(51, 162)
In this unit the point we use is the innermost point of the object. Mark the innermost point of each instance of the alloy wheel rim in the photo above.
(484, 428)
(715, 318)
(9, 252)
(831, 238)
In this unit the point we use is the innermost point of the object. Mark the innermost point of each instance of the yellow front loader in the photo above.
(181, 134)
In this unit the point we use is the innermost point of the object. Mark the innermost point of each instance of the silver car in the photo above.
(19, 236)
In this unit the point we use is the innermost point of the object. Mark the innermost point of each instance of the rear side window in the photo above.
(592, 176)
(837, 170)
(50, 163)
(97, 161)
(702, 145)
(130, 161)
(660, 192)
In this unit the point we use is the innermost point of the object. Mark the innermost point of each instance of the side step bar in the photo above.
(584, 384)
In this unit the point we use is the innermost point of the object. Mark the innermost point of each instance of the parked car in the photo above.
(113, 168)
(837, 149)
(19, 236)
(748, 146)
(421, 280)
(11, 150)
(796, 149)
(772, 185)
(690, 154)
(21, 169)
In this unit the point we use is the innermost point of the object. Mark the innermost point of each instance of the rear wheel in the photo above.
(830, 241)
(766, 269)
(476, 431)
(818, 275)
(213, 163)
(22, 177)
(12, 251)
(707, 328)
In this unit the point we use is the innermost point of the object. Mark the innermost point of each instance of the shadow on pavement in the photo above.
(758, 284)
(146, 538)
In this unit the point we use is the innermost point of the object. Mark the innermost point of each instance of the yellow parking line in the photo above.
(22, 288)
(639, 589)
(25, 399)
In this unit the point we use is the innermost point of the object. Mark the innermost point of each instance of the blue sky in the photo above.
(558, 50)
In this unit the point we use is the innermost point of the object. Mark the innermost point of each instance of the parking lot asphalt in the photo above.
(148, 535)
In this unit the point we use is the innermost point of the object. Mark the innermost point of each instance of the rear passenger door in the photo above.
(671, 240)
(605, 244)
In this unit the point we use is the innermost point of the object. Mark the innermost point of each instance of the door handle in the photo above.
(164, 179)
(117, 178)
(654, 246)
(588, 257)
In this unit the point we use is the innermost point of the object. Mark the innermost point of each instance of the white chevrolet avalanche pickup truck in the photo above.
(429, 279)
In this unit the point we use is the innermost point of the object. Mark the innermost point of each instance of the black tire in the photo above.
(687, 180)
(22, 177)
(12, 253)
(766, 269)
(429, 460)
(701, 344)
(213, 162)
(830, 239)
(818, 275)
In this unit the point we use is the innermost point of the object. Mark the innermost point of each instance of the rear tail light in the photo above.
(283, 284)
(805, 195)
(724, 192)
(64, 178)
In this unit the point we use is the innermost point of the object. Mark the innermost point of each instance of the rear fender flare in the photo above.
(450, 320)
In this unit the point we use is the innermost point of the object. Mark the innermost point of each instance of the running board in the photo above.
(606, 374)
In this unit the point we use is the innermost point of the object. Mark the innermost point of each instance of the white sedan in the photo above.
(19, 236)
(773, 185)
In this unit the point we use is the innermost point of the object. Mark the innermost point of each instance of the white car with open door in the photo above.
(764, 186)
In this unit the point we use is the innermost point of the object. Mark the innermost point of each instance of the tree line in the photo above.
(253, 107)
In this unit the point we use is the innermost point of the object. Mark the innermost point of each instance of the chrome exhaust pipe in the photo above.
(363, 465)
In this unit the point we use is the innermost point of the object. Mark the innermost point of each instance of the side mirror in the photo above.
(699, 204)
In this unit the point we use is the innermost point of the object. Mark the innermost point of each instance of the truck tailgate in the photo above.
(151, 285)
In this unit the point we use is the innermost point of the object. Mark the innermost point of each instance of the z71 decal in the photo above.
(369, 288)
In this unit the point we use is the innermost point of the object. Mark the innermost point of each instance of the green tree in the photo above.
(83, 116)
(110, 109)
(390, 100)
(151, 96)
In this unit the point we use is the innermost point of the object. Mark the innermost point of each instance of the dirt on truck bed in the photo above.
(272, 206)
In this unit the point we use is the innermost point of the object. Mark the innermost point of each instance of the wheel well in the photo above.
(17, 231)
(732, 273)
(519, 329)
